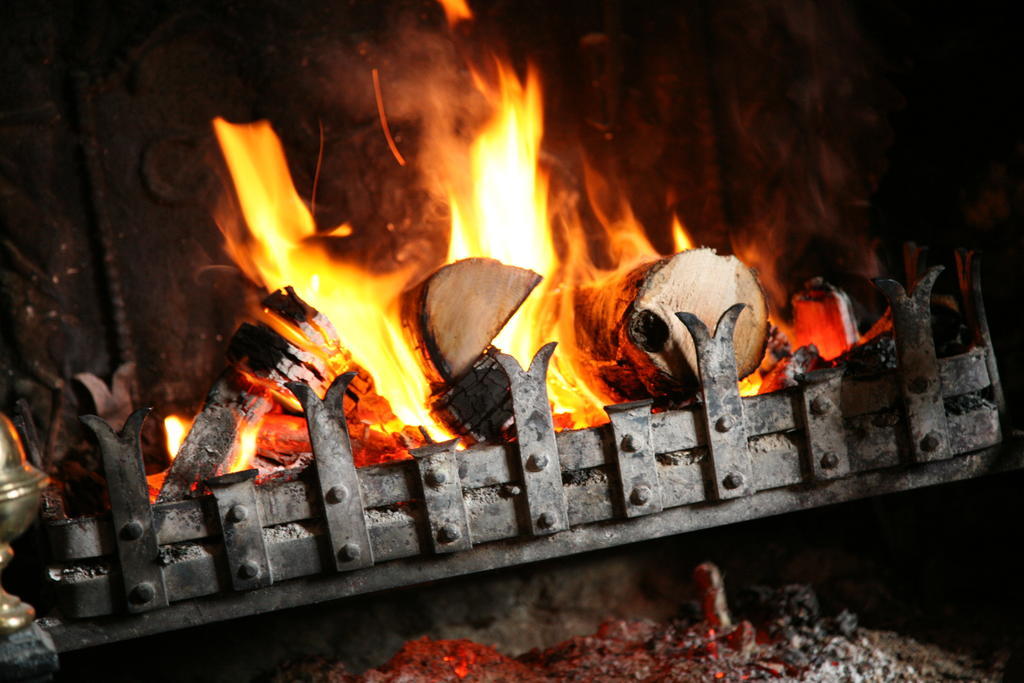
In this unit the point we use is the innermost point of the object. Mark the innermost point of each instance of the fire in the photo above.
(175, 429)
(276, 251)
(246, 452)
(500, 208)
(456, 11)
(680, 239)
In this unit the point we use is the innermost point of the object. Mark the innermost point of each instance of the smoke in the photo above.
(802, 106)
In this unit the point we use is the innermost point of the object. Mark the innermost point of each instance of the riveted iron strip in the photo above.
(634, 458)
(340, 494)
(242, 529)
(537, 448)
(442, 497)
(134, 532)
(918, 373)
(968, 267)
(821, 393)
(729, 461)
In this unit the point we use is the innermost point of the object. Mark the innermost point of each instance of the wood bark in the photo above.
(629, 341)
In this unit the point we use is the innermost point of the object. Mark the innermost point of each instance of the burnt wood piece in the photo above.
(714, 604)
(478, 405)
(213, 439)
(263, 353)
(629, 340)
(454, 314)
(823, 316)
(788, 371)
(287, 306)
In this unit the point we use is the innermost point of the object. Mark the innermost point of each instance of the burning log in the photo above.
(262, 361)
(452, 318)
(455, 313)
(213, 439)
(787, 371)
(627, 333)
(823, 316)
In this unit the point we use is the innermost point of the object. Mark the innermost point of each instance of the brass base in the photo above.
(14, 614)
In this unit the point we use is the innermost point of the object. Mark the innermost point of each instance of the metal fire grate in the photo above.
(340, 531)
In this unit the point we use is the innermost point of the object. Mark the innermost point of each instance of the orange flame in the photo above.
(277, 252)
(502, 211)
(456, 11)
(175, 429)
(246, 449)
(680, 239)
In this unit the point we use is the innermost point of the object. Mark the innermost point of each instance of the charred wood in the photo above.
(214, 437)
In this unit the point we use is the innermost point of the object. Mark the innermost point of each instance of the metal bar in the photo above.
(918, 367)
(968, 270)
(76, 634)
(915, 262)
(242, 530)
(442, 497)
(137, 548)
(535, 434)
(589, 499)
(639, 487)
(827, 456)
(340, 495)
(729, 462)
(489, 464)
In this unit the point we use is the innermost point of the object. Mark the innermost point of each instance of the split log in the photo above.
(823, 316)
(213, 439)
(452, 318)
(629, 340)
(454, 314)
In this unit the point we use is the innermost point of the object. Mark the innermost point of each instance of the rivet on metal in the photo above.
(449, 533)
(546, 520)
(132, 531)
(733, 480)
(142, 593)
(350, 552)
(337, 495)
(436, 478)
(535, 463)
(248, 570)
(820, 405)
(238, 513)
(930, 442)
(628, 444)
(641, 495)
(829, 461)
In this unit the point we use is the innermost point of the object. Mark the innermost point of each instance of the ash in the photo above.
(783, 636)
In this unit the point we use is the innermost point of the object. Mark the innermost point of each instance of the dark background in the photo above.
(825, 134)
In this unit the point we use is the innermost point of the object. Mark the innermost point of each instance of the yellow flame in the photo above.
(504, 215)
(246, 452)
(680, 239)
(175, 429)
(277, 252)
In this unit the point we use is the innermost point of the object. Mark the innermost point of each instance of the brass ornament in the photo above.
(20, 488)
